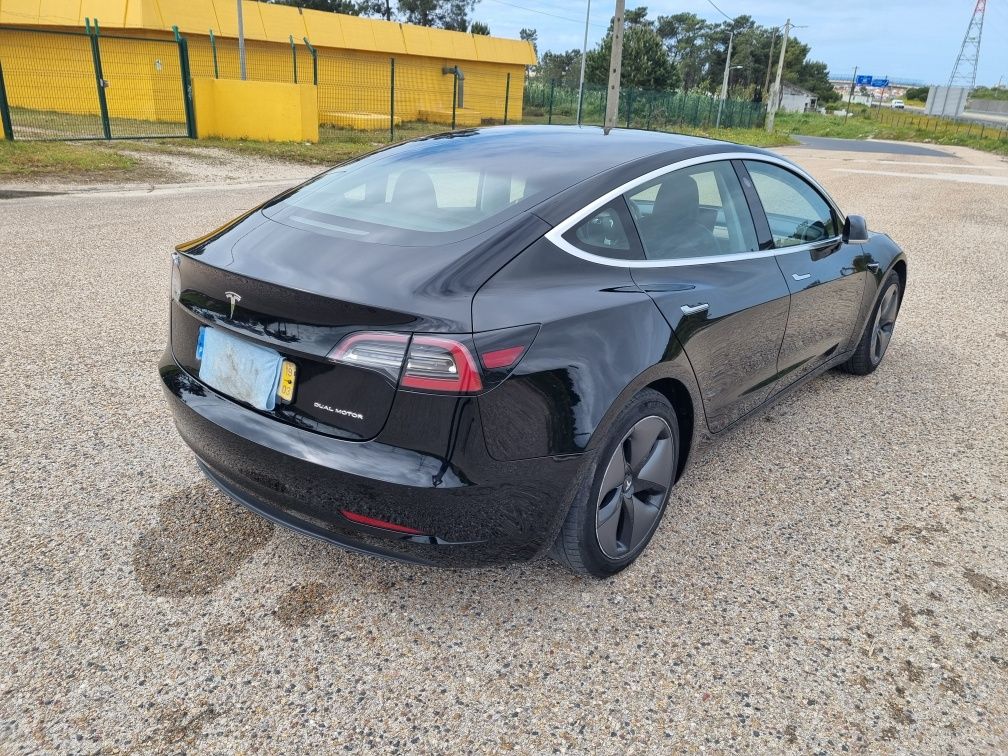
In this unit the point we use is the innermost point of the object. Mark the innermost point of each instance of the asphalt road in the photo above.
(870, 146)
(833, 575)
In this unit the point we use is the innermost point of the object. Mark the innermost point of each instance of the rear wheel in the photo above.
(608, 529)
(875, 340)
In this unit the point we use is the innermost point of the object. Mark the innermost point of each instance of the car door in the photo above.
(725, 298)
(826, 277)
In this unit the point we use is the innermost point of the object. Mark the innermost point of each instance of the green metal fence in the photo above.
(546, 101)
(91, 85)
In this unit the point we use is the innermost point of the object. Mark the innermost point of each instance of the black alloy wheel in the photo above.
(611, 521)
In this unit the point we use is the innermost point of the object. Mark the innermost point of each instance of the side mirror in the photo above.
(855, 230)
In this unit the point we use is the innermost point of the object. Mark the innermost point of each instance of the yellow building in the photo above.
(55, 72)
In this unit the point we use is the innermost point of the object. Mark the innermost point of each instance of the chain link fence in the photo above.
(87, 85)
(547, 102)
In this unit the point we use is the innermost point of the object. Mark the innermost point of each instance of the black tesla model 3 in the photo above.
(497, 343)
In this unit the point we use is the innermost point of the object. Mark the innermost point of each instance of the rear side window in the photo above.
(797, 213)
(607, 232)
(698, 211)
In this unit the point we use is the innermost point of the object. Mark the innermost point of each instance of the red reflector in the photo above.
(376, 523)
(502, 358)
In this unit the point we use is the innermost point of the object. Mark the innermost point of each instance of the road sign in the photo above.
(880, 82)
(863, 81)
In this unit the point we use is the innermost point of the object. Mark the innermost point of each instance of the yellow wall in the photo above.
(267, 111)
(270, 23)
(54, 71)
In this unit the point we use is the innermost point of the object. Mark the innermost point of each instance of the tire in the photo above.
(878, 332)
(608, 528)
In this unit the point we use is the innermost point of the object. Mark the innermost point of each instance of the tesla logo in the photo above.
(233, 299)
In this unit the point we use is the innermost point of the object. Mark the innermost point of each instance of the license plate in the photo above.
(288, 373)
(242, 370)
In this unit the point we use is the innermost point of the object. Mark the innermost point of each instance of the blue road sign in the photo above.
(863, 80)
(880, 82)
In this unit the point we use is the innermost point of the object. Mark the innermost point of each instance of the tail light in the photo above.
(437, 363)
(374, 350)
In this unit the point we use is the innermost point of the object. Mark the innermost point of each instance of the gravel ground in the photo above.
(831, 576)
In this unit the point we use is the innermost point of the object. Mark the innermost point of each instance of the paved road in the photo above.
(873, 146)
(831, 576)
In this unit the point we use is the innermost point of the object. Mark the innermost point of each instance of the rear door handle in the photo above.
(687, 310)
(801, 277)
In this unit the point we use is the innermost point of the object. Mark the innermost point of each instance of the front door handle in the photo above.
(801, 277)
(874, 267)
(687, 310)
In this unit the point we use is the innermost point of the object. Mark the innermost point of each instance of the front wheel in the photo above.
(607, 530)
(878, 333)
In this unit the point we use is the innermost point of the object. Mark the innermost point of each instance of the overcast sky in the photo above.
(907, 39)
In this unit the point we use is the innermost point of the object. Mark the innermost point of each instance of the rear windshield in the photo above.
(436, 190)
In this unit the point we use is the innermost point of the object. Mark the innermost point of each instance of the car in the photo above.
(498, 343)
(898, 105)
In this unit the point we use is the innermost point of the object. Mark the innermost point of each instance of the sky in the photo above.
(904, 39)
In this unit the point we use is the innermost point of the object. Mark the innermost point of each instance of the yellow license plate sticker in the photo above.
(288, 374)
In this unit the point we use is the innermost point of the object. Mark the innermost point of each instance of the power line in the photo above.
(547, 13)
(712, 5)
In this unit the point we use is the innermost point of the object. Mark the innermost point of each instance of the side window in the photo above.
(797, 213)
(693, 212)
(607, 232)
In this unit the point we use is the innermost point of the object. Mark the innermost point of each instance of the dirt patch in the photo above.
(982, 583)
(899, 714)
(953, 683)
(302, 603)
(179, 726)
(200, 543)
(906, 617)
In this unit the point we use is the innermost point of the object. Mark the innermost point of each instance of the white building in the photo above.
(797, 100)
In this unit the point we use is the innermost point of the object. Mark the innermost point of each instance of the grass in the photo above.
(19, 160)
(899, 127)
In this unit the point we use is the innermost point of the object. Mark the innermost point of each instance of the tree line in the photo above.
(684, 51)
(455, 15)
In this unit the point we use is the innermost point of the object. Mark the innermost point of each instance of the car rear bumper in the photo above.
(469, 508)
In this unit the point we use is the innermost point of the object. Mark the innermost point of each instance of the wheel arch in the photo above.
(679, 397)
(675, 381)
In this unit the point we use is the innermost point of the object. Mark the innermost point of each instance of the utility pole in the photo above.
(615, 68)
(724, 81)
(584, 55)
(775, 92)
(850, 95)
(769, 65)
(241, 41)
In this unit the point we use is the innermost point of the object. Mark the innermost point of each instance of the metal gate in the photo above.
(87, 85)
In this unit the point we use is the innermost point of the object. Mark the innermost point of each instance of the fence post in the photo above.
(454, 98)
(314, 60)
(507, 93)
(186, 77)
(549, 119)
(629, 106)
(391, 105)
(293, 58)
(5, 117)
(213, 52)
(99, 78)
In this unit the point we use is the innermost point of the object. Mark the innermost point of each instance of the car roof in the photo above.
(583, 145)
